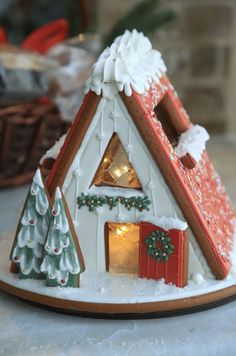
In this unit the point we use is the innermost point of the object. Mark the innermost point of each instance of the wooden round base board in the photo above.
(126, 311)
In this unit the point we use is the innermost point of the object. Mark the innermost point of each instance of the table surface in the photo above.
(28, 330)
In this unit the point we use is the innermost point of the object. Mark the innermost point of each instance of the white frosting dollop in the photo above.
(129, 64)
(197, 278)
(192, 141)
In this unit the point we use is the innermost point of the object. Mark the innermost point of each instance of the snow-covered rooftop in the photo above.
(130, 63)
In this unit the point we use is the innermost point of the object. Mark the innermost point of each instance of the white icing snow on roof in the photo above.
(192, 141)
(54, 151)
(128, 64)
(166, 223)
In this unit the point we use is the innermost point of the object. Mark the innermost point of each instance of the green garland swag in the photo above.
(159, 254)
(94, 201)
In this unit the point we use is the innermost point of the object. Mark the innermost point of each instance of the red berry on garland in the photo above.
(63, 281)
(56, 250)
(16, 258)
(31, 221)
(54, 212)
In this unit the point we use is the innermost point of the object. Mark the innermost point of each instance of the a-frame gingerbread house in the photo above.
(133, 163)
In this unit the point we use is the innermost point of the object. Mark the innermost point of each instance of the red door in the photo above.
(175, 269)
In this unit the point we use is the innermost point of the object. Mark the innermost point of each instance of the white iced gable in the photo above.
(129, 64)
(192, 141)
(166, 223)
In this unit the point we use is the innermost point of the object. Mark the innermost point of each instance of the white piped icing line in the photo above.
(128, 64)
(166, 223)
(192, 141)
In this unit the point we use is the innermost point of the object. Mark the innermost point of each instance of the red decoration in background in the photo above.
(3, 36)
(44, 37)
(47, 36)
(172, 270)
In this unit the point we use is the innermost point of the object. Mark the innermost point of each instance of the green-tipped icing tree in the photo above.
(146, 16)
(62, 261)
(27, 250)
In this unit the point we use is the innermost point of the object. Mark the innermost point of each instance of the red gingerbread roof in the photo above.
(198, 191)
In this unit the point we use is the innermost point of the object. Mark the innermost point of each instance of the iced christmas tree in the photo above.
(61, 262)
(27, 251)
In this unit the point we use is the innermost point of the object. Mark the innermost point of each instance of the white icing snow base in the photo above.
(109, 288)
(129, 64)
(192, 141)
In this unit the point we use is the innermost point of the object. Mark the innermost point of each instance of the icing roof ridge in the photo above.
(130, 63)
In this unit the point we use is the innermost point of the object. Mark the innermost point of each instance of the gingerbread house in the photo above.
(140, 191)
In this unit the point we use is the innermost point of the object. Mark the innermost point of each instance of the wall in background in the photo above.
(199, 48)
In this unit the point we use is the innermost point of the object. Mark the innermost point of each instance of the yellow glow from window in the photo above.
(125, 169)
(123, 248)
(115, 170)
(122, 230)
(118, 232)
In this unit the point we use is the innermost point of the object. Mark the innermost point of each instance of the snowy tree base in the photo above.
(110, 295)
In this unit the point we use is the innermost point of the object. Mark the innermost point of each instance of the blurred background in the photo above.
(198, 44)
(43, 69)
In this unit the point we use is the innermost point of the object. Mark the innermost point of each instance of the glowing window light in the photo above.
(118, 231)
(115, 170)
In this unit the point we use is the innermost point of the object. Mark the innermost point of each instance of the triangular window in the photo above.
(115, 170)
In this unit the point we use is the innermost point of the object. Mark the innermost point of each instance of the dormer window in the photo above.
(166, 122)
(173, 126)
